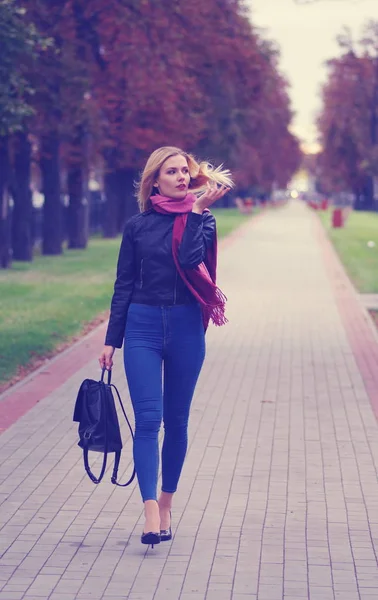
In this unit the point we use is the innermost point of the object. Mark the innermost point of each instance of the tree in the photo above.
(248, 101)
(22, 218)
(18, 44)
(142, 91)
(19, 40)
(60, 125)
(192, 74)
(119, 78)
(348, 121)
(5, 230)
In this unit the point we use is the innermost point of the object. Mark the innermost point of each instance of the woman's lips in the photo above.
(181, 187)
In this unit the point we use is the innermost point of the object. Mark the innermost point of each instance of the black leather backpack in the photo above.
(99, 430)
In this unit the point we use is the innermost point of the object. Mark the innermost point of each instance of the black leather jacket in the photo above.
(146, 272)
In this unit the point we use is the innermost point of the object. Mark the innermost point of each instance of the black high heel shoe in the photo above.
(166, 534)
(150, 538)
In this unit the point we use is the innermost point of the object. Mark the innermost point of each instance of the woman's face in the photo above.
(173, 179)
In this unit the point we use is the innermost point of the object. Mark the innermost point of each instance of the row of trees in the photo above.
(91, 88)
(348, 122)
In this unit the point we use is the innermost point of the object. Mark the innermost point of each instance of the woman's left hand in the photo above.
(211, 195)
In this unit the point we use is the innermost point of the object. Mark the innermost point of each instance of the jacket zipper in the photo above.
(175, 290)
(141, 273)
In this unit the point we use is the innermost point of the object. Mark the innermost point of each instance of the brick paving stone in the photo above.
(279, 494)
(65, 596)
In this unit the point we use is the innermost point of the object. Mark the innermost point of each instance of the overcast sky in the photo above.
(307, 36)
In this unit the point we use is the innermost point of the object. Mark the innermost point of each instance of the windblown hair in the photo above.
(200, 174)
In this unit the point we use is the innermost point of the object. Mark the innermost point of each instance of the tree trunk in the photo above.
(127, 202)
(78, 208)
(110, 216)
(120, 201)
(23, 209)
(365, 200)
(77, 177)
(5, 226)
(52, 207)
(369, 203)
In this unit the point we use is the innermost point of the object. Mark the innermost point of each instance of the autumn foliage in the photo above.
(348, 122)
(116, 79)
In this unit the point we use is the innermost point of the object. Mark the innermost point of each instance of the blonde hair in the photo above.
(200, 174)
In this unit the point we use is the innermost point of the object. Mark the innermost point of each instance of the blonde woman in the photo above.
(164, 296)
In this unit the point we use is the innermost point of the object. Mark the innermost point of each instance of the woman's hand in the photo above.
(212, 193)
(106, 357)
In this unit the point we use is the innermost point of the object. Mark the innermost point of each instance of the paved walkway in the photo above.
(279, 496)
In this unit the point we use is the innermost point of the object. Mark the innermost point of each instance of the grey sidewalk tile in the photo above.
(218, 595)
(16, 587)
(295, 590)
(43, 584)
(119, 596)
(244, 597)
(134, 596)
(270, 592)
(71, 586)
(65, 596)
(321, 593)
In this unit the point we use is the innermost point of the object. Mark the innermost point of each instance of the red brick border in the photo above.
(20, 398)
(359, 327)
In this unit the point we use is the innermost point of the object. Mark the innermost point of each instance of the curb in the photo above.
(359, 327)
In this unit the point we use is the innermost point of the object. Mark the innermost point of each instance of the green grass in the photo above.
(351, 241)
(227, 220)
(45, 303)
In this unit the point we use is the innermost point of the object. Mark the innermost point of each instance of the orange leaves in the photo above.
(142, 73)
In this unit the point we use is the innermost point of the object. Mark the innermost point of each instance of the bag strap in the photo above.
(118, 454)
(103, 468)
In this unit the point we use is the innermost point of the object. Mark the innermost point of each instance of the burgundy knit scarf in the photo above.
(201, 281)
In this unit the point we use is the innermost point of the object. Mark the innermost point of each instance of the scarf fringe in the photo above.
(218, 317)
(216, 313)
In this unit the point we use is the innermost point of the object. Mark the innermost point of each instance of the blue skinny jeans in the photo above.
(164, 351)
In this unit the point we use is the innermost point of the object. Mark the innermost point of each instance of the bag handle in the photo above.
(109, 371)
